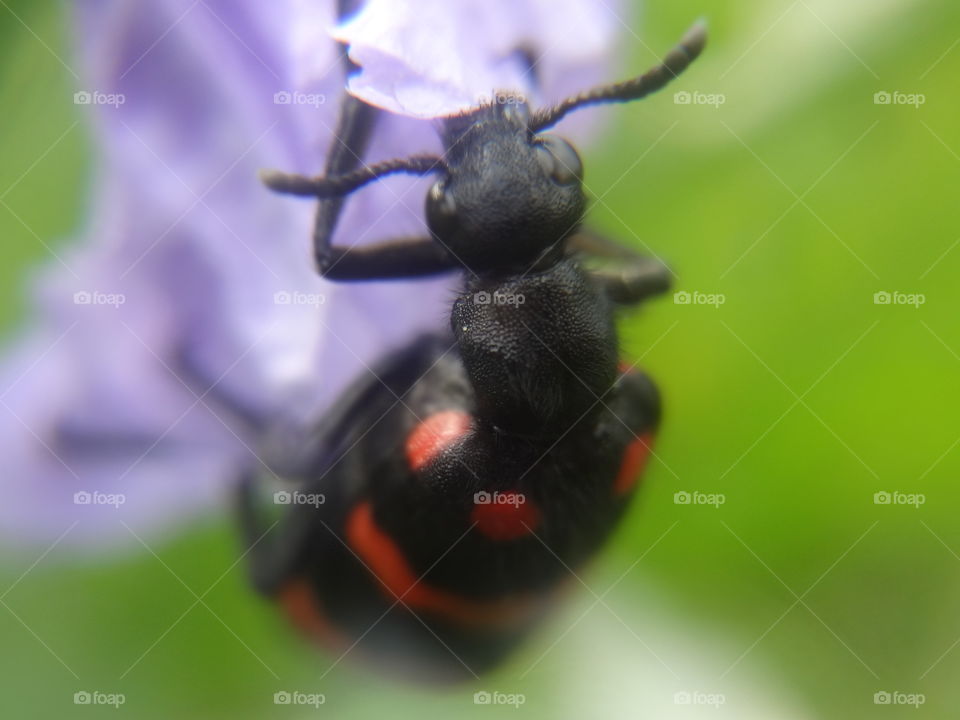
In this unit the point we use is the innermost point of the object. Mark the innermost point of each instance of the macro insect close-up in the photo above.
(514, 357)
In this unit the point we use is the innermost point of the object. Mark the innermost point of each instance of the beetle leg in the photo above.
(634, 279)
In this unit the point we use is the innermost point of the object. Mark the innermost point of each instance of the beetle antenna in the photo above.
(339, 185)
(675, 62)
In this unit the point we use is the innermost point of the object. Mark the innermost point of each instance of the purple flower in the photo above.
(185, 260)
(420, 58)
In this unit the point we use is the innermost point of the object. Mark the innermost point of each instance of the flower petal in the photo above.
(425, 59)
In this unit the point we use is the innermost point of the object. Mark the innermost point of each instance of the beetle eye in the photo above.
(441, 208)
(558, 159)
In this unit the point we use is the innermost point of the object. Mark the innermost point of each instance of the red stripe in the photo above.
(635, 459)
(299, 602)
(388, 563)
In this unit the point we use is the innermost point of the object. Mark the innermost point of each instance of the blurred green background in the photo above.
(797, 399)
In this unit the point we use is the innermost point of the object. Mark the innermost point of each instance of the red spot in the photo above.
(387, 562)
(504, 516)
(635, 459)
(434, 434)
(623, 367)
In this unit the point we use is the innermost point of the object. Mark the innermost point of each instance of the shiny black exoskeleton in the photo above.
(464, 482)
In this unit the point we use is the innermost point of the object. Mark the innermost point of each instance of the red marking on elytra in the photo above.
(386, 560)
(433, 435)
(504, 516)
(299, 602)
(635, 459)
(373, 545)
